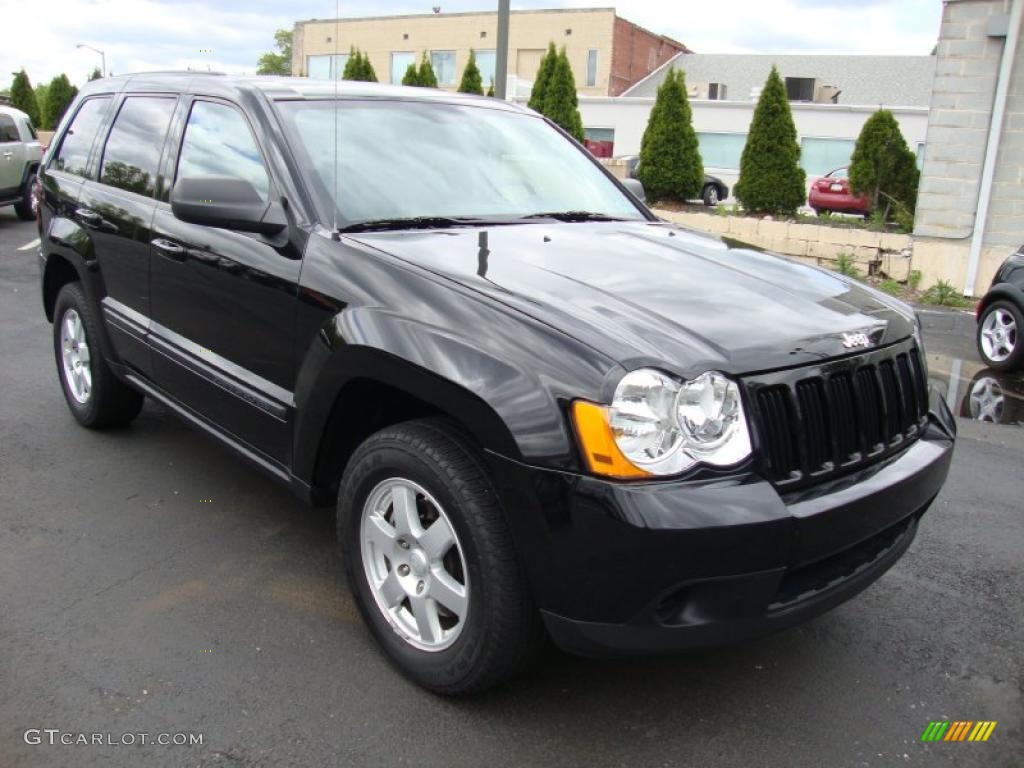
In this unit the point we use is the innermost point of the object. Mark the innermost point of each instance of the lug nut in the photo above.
(419, 587)
(403, 570)
(403, 543)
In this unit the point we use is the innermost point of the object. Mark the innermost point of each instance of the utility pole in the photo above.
(501, 55)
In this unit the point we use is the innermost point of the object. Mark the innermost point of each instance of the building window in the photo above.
(326, 67)
(443, 63)
(400, 62)
(800, 88)
(600, 141)
(717, 92)
(486, 62)
(920, 155)
(819, 156)
(592, 68)
(722, 150)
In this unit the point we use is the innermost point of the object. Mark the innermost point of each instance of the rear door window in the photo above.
(73, 155)
(8, 130)
(132, 154)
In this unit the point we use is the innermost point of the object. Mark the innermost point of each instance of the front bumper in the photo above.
(660, 566)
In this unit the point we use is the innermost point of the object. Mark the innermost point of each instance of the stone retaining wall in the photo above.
(882, 253)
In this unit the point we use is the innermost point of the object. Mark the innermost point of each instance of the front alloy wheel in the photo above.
(414, 564)
(430, 559)
(998, 336)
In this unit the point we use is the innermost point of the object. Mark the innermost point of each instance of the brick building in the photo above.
(608, 53)
(956, 238)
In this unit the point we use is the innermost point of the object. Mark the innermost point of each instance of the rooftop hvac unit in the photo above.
(826, 94)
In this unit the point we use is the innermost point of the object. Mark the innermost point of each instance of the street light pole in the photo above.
(501, 55)
(103, 56)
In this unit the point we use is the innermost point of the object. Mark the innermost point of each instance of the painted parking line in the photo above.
(30, 246)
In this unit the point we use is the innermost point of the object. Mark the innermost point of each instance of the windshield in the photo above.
(404, 160)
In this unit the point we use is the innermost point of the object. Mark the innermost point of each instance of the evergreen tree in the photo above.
(670, 163)
(358, 67)
(560, 102)
(42, 94)
(882, 166)
(369, 74)
(771, 179)
(471, 80)
(426, 76)
(490, 89)
(412, 76)
(59, 95)
(95, 74)
(23, 97)
(540, 85)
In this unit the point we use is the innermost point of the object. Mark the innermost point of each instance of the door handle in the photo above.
(89, 217)
(170, 250)
(8, 154)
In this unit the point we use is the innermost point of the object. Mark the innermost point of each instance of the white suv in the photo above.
(20, 154)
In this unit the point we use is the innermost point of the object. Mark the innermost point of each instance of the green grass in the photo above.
(945, 295)
(845, 265)
(890, 286)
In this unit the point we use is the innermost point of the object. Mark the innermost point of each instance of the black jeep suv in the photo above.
(537, 407)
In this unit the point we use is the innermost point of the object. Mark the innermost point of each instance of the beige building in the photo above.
(608, 54)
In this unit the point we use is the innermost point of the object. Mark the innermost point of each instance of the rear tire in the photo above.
(25, 209)
(96, 397)
(711, 197)
(492, 628)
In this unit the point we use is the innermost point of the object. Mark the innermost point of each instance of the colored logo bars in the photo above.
(958, 730)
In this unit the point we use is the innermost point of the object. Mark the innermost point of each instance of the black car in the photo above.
(712, 193)
(1001, 317)
(537, 408)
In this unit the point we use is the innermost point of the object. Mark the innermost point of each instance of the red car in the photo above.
(832, 193)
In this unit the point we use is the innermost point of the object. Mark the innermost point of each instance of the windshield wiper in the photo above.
(574, 216)
(413, 222)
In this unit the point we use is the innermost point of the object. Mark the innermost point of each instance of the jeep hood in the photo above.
(648, 293)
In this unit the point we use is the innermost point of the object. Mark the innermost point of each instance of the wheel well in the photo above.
(363, 406)
(58, 273)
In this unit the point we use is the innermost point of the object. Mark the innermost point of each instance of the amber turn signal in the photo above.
(597, 443)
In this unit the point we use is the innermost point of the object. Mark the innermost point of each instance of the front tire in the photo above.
(711, 197)
(96, 397)
(430, 560)
(998, 338)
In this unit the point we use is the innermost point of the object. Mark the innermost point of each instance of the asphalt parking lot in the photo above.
(152, 582)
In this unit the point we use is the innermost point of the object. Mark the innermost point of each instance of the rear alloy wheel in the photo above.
(711, 197)
(999, 336)
(96, 397)
(430, 559)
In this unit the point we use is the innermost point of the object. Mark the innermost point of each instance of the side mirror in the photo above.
(226, 202)
(636, 189)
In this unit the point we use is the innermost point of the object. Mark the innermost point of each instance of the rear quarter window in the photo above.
(75, 146)
(8, 130)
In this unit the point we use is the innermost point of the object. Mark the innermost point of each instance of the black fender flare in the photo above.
(1001, 291)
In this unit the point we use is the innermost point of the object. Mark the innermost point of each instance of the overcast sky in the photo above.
(162, 34)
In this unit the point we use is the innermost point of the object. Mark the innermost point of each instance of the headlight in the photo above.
(658, 425)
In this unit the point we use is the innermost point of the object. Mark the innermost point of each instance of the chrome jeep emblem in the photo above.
(854, 340)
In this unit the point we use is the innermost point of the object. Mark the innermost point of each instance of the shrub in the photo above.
(471, 80)
(358, 67)
(426, 76)
(891, 287)
(560, 102)
(670, 163)
(883, 167)
(23, 97)
(412, 76)
(914, 279)
(944, 294)
(59, 95)
(771, 179)
(845, 265)
(539, 92)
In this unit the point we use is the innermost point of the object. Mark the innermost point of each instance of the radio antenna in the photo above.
(334, 74)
